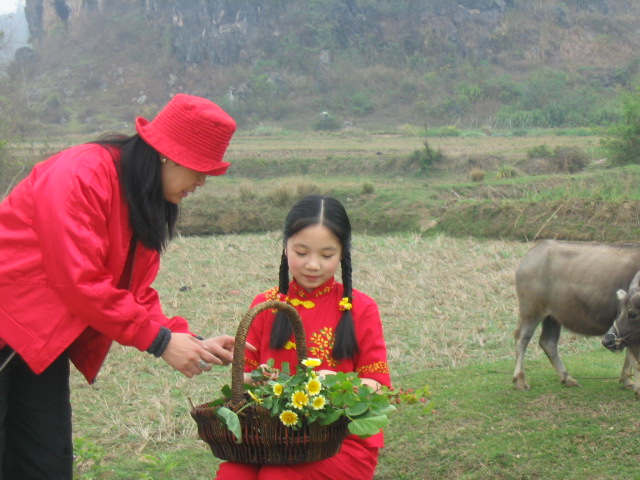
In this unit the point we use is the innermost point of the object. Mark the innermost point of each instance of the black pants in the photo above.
(35, 421)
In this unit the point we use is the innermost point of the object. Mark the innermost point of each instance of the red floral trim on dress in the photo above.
(253, 364)
(272, 294)
(302, 293)
(321, 347)
(378, 367)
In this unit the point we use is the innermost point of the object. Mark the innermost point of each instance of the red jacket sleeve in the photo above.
(72, 218)
(371, 361)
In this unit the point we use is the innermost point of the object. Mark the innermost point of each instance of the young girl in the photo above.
(342, 327)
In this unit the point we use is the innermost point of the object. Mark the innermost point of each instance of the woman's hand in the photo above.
(189, 355)
(192, 356)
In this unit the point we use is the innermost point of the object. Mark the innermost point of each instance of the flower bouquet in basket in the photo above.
(285, 418)
(305, 397)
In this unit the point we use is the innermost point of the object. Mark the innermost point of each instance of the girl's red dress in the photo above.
(320, 315)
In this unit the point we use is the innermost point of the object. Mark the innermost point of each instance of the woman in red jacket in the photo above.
(80, 243)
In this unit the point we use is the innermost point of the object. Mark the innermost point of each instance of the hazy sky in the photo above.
(8, 6)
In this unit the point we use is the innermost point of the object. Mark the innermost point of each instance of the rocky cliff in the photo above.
(222, 32)
(417, 50)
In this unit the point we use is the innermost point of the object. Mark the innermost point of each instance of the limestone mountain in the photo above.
(95, 64)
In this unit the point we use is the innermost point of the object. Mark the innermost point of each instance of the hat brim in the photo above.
(176, 152)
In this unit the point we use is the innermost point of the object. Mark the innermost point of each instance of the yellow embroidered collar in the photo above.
(295, 290)
(298, 296)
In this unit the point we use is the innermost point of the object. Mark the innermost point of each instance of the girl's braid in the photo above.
(346, 345)
(281, 331)
(283, 278)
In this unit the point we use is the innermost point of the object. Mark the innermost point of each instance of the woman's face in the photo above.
(179, 181)
(313, 255)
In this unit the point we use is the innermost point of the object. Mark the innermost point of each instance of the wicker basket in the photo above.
(265, 440)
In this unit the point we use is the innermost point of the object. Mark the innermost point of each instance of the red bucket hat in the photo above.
(192, 131)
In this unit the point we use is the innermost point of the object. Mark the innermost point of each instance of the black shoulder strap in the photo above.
(125, 279)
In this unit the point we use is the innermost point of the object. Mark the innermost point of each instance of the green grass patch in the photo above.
(449, 310)
(483, 428)
(479, 427)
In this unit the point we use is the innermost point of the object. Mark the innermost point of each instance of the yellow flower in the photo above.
(311, 362)
(255, 397)
(319, 403)
(289, 418)
(345, 304)
(313, 387)
(289, 345)
(277, 389)
(299, 399)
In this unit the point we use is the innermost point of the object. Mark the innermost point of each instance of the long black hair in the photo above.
(152, 218)
(327, 211)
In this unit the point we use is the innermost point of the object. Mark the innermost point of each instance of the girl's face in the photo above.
(179, 181)
(313, 255)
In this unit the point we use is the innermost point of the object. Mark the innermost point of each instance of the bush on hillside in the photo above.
(569, 159)
(624, 142)
(426, 157)
(327, 122)
(539, 151)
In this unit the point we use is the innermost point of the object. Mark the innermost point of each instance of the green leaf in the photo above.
(330, 380)
(217, 402)
(226, 391)
(331, 417)
(232, 421)
(366, 427)
(358, 409)
(383, 410)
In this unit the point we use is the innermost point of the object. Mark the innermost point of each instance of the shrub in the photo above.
(426, 157)
(327, 122)
(368, 188)
(307, 188)
(624, 142)
(362, 104)
(540, 151)
(446, 131)
(281, 196)
(506, 171)
(569, 159)
(477, 175)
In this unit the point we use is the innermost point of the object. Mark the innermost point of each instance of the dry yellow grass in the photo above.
(444, 303)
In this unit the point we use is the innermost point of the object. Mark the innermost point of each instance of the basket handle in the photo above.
(237, 368)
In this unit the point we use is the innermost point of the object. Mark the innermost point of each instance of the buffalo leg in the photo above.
(549, 344)
(523, 335)
(629, 375)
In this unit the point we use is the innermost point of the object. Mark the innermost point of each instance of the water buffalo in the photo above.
(625, 331)
(572, 285)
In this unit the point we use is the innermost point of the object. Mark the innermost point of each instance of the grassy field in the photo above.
(449, 310)
(438, 252)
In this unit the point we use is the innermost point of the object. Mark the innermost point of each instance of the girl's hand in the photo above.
(375, 386)
(268, 373)
(222, 348)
